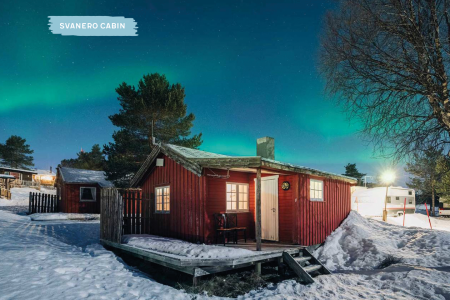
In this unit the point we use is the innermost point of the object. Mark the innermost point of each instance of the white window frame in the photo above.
(237, 210)
(310, 185)
(164, 210)
(94, 193)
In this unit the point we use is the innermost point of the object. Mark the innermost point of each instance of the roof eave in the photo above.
(308, 171)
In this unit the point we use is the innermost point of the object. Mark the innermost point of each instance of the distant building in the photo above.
(45, 177)
(371, 201)
(80, 189)
(19, 174)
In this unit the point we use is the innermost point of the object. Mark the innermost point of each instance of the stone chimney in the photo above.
(265, 147)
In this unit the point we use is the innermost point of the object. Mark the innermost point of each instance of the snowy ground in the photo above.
(182, 249)
(63, 260)
(421, 220)
(361, 243)
(20, 196)
(64, 216)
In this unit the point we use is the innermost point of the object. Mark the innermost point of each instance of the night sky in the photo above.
(249, 69)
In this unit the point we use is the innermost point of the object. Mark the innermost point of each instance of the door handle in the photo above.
(273, 209)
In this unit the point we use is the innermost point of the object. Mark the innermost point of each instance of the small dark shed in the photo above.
(80, 189)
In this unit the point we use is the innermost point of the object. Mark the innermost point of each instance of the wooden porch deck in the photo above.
(198, 267)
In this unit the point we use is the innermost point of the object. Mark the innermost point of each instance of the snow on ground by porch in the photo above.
(64, 216)
(361, 243)
(63, 260)
(184, 249)
(20, 196)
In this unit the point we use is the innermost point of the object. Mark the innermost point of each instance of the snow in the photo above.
(63, 216)
(71, 175)
(420, 220)
(183, 249)
(361, 243)
(20, 196)
(63, 260)
(194, 153)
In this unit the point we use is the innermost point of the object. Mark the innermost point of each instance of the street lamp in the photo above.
(387, 177)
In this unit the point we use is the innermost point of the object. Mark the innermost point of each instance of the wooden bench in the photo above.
(226, 224)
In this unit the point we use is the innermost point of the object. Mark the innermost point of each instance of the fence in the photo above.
(43, 203)
(123, 212)
(111, 215)
(136, 215)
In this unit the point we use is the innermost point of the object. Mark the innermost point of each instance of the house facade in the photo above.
(299, 205)
(79, 190)
(19, 174)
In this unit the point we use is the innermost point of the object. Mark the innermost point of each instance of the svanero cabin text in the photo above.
(188, 187)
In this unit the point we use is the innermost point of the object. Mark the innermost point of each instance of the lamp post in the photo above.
(387, 177)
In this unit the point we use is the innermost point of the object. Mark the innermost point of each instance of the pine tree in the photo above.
(426, 174)
(16, 153)
(153, 109)
(352, 171)
(93, 160)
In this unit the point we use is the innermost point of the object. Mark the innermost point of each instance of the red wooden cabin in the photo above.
(299, 205)
(80, 190)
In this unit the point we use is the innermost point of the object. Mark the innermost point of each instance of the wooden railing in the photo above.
(43, 203)
(136, 214)
(123, 212)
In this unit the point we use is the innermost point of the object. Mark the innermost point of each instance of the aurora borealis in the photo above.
(249, 69)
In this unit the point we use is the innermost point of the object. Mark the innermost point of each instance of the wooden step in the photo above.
(302, 259)
(312, 268)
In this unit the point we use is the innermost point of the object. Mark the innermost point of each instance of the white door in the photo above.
(269, 208)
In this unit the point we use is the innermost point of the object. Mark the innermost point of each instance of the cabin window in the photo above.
(397, 198)
(237, 197)
(162, 199)
(410, 193)
(87, 194)
(316, 190)
(388, 199)
(410, 200)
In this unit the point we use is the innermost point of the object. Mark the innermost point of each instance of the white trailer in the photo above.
(371, 201)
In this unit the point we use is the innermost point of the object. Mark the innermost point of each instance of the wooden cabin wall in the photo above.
(187, 216)
(70, 199)
(316, 220)
(216, 202)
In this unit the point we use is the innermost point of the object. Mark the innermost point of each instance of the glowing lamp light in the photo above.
(388, 177)
(46, 178)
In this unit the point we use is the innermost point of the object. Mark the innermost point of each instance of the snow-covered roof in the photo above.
(7, 176)
(45, 172)
(71, 175)
(307, 168)
(195, 160)
(18, 170)
(194, 153)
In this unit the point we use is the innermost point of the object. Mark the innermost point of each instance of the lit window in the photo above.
(237, 197)
(162, 199)
(316, 190)
(87, 194)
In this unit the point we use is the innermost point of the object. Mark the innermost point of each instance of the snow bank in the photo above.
(361, 243)
(64, 216)
(182, 248)
(20, 196)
